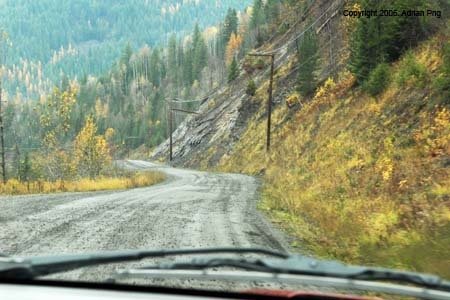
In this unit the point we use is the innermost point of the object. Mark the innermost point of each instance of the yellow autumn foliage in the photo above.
(293, 99)
(91, 150)
(232, 47)
(434, 136)
(358, 178)
(141, 179)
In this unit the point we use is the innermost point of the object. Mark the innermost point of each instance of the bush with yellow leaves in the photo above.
(91, 151)
(434, 136)
(293, 99)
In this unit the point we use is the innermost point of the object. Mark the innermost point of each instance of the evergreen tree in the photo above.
(25, 168)
(155, 67)
(180, 63)
(257, 17)
(233, 70)
(379, 39)
(272, 10)
(256, 21)
(364, 48)
(172, 57)
(125, 68)
(188, 77)
(199, 54)
(442, 81)
(219, 46)
(126, 55)
(308, 58)
(402, 33)
(230, 25)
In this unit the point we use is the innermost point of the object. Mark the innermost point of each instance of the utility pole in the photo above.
(171, 110)
(270, 94)
(170, 125)
(128, 144)
(269, 104)
(170, 131)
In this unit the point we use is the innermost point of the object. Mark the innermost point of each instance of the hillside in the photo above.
(137, 84)
(354, 172)
(80, 38)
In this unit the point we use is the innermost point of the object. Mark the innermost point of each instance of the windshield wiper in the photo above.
(302, 265)
(271, 265)
(32, 267)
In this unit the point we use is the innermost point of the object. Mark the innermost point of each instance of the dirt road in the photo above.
(190, 209)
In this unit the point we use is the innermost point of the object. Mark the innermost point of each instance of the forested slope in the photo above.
(52, 39)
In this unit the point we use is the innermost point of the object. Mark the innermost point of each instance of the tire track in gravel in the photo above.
(190, 209)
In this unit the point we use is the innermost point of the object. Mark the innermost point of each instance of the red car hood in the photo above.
(307, 295)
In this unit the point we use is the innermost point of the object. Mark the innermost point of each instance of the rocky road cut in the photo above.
(191, 209)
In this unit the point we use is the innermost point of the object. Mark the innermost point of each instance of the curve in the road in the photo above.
(191, 209)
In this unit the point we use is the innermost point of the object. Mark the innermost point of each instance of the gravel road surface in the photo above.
(190, 209)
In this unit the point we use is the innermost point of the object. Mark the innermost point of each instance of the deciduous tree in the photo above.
(91, 150)
(233, 47)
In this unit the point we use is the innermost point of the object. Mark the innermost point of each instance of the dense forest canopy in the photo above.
(52, 38)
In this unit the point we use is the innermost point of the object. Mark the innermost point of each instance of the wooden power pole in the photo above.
(170, 132)
(269, 102)
(171, 110)
(270, 96)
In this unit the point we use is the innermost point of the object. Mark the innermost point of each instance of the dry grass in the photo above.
(140, 179)
(361, 179)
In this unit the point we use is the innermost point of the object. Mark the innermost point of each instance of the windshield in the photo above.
(313, 128)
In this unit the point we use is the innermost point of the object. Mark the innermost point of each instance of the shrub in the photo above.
(233, 70)
(442, 81)
(378, 79)
(411, 72)
(251, 64)
(251, 88)
(293, 99)
(260, 64)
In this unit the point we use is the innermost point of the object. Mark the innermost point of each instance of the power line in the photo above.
(300, 19)
(171, 110)
(202, 99)
(177, 100)
(271, 54)
(305, 61)
(303, 32)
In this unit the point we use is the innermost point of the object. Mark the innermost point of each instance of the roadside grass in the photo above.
(359, 178)
(133, 180)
